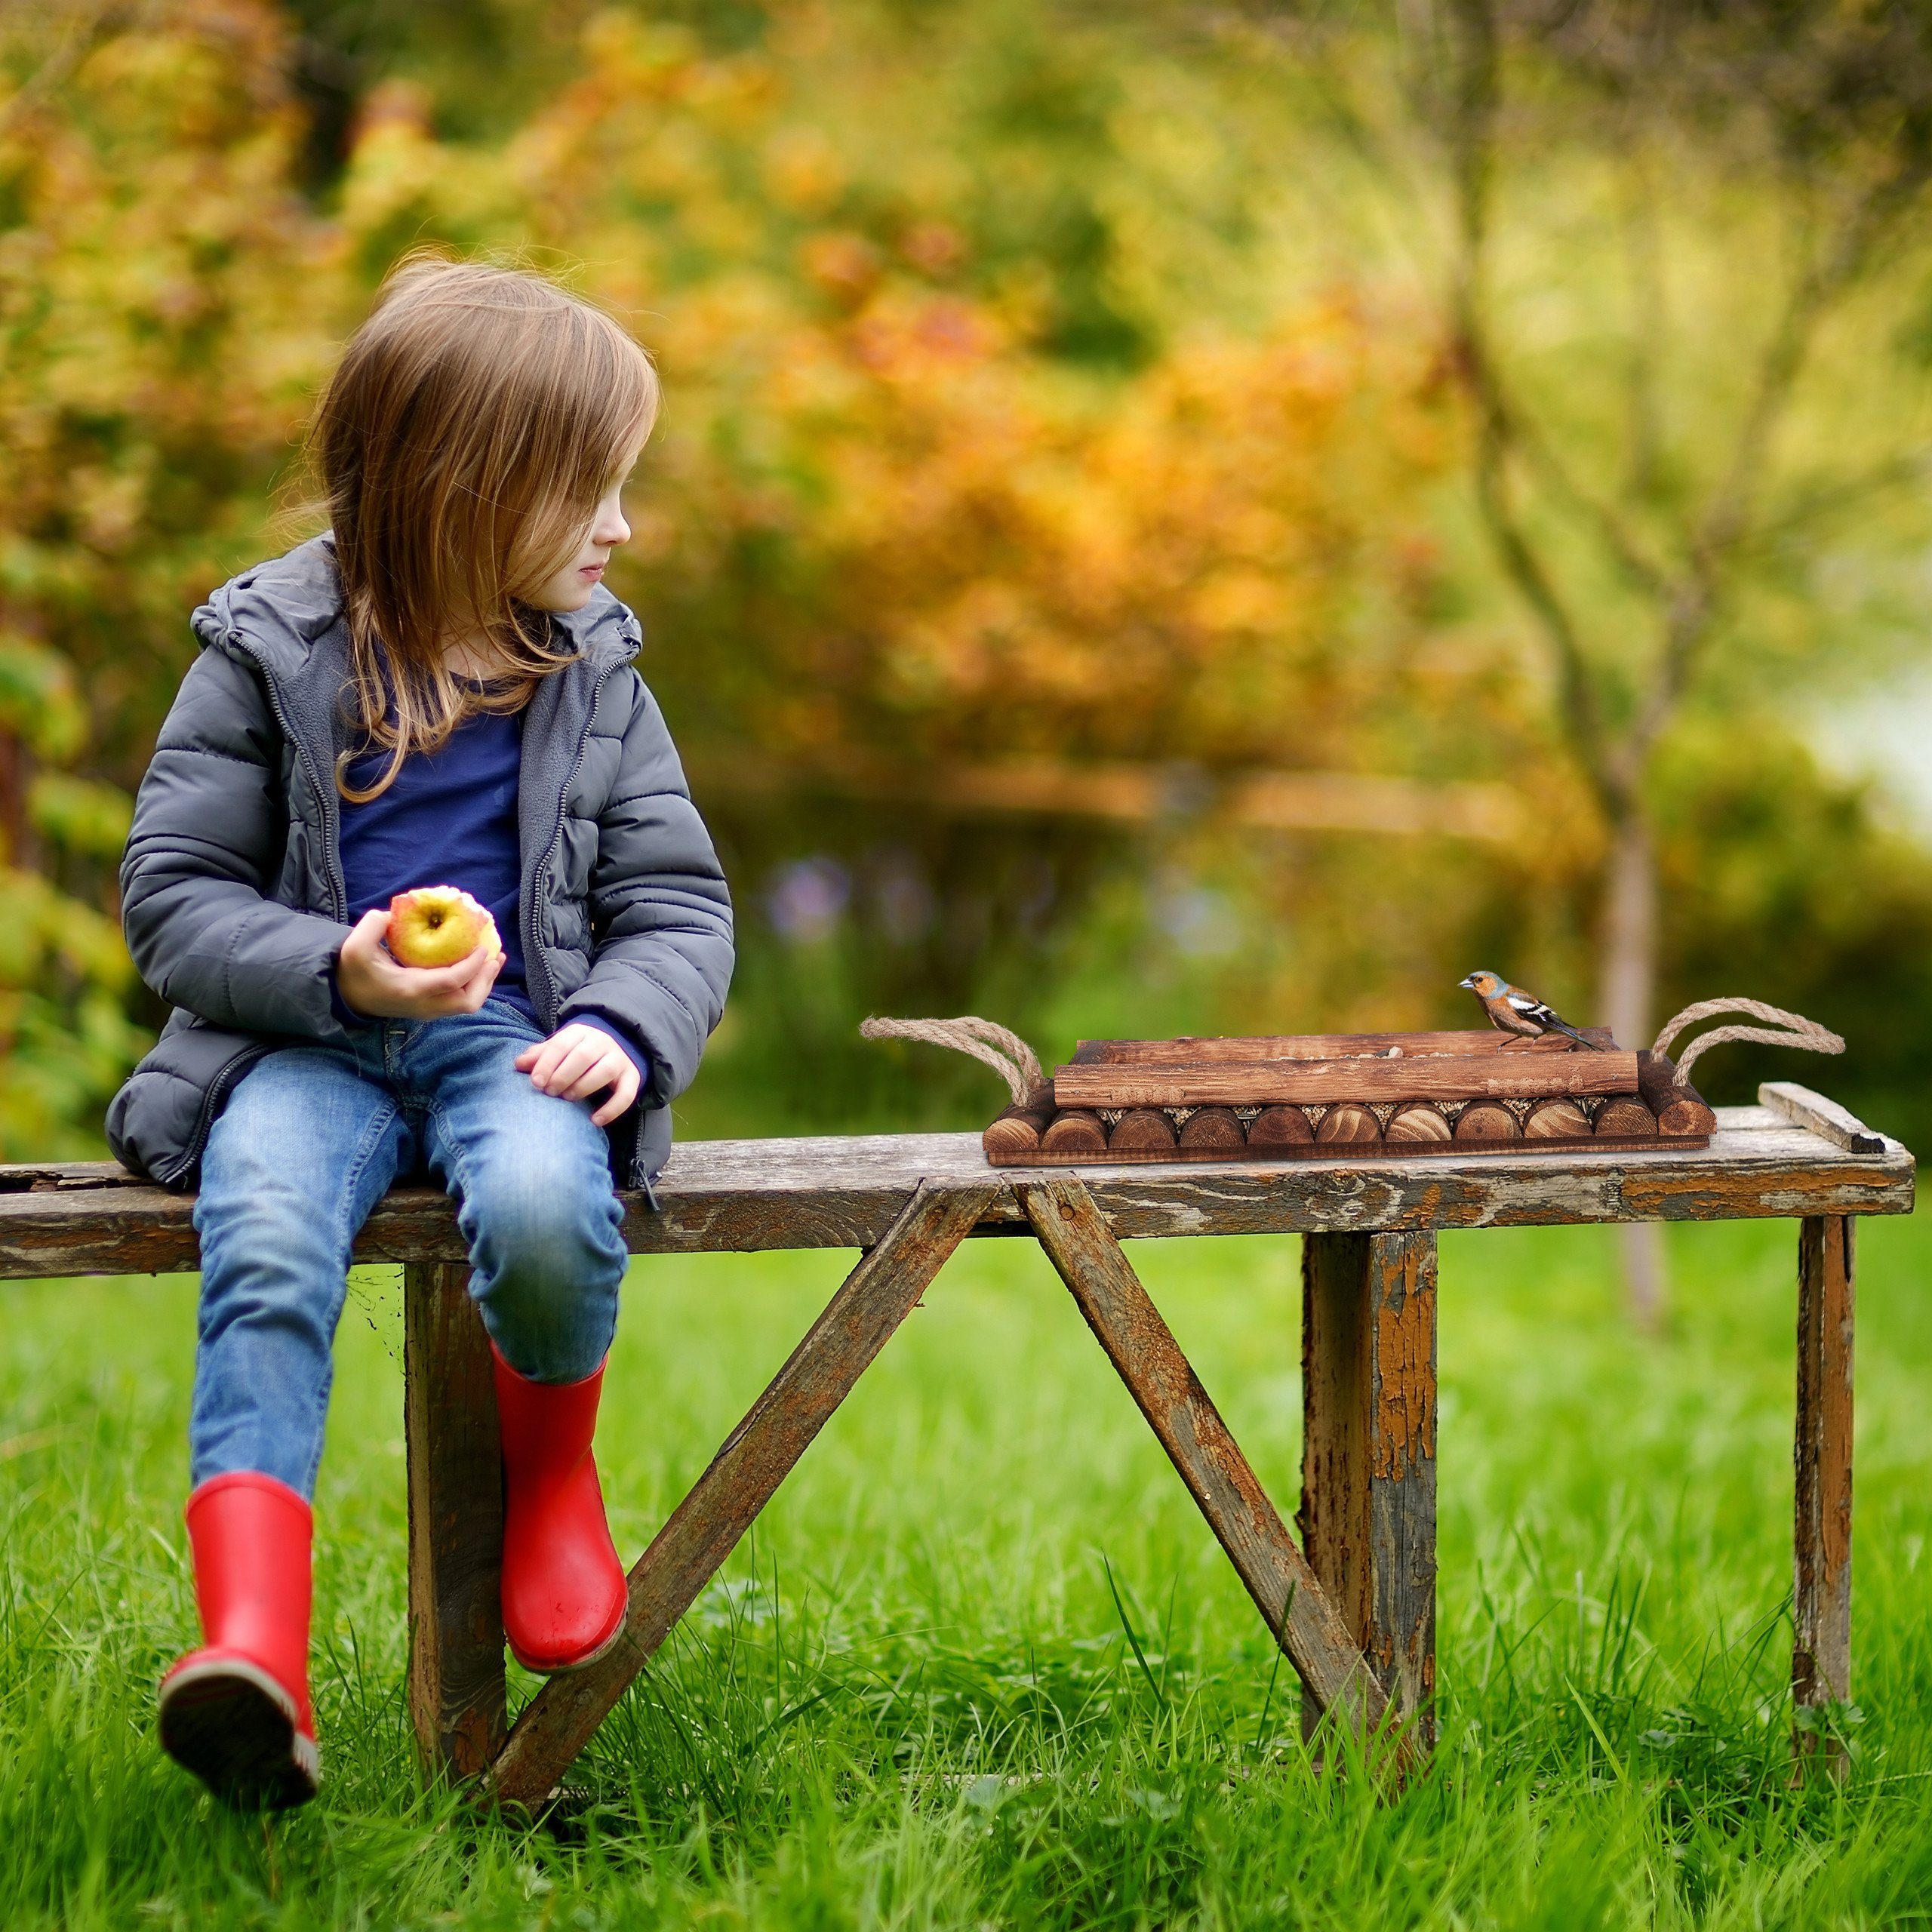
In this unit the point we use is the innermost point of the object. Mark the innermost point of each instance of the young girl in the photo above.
(438, 692)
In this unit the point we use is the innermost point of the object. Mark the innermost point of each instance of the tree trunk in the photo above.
(1627, 1005)
(17, 844)
(1629, 991)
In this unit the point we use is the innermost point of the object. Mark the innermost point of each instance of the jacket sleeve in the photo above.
(210, 823)
(660, 913)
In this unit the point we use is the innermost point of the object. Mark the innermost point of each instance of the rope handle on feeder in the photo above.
(1786, 1029)
(1016, 1063)
(1004, 1052)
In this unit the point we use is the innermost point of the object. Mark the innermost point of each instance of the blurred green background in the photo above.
(1171, 518)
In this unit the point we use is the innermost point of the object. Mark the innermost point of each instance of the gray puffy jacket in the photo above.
(232, 888)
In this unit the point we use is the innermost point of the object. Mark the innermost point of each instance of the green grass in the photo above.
(912, 1701)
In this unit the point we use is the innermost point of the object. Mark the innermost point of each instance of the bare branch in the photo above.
(1643, 254)
(1582, 717)
(1896, 472)
(1693, 606)
(1470, 131)
(1613, 530)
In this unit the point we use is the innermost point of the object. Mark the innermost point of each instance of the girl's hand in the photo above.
(577, 1061)
(374, 984)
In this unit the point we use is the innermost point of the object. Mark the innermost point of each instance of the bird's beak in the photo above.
(1470, 981)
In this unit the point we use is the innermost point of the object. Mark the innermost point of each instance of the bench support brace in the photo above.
(1297, 1608)
(756, 1457)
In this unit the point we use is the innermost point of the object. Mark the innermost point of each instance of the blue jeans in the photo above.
(310, 1141)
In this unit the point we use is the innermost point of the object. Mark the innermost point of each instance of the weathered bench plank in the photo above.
(739, 1196)
(1368, 1515)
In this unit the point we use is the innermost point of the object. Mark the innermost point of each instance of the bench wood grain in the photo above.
(739, 1196)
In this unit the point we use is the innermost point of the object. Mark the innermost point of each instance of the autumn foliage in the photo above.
(968, 456)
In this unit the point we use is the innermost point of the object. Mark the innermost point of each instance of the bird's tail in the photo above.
(1563, 1026)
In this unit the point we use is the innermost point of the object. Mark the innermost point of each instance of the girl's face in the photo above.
(569, 587)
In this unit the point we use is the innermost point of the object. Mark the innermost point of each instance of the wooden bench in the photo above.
(1352, 1603)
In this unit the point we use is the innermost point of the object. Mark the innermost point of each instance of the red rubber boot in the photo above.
(564, 1591)
(235, 1712)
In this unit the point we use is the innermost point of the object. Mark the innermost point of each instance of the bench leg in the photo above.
(1294, 1602)
(455, 1523)
(1368, 1515)
(1821, 1594)
(756, 1457)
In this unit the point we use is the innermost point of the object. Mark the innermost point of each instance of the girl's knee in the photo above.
(543, 1223)
(548, 1259)
(548, 1328)
(543, 1229)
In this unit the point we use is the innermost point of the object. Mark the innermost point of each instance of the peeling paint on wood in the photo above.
(1359, 1608)
(1803, 1107)
(1821, 1594)
(740, 1196)
(1368, 1514)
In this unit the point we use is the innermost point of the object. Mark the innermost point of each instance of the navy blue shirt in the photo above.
(450, 818)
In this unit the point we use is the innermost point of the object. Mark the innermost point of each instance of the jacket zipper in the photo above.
(532, 944)
(220, 1088)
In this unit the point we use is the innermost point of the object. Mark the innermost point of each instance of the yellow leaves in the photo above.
(160, 321)
(845, 266)
(1169, 561)
(45, 932)
(888, 508)
(404, 187)
(628, 55)
(935, 248)
(1234, 602)
(803, 171)
(62, 1059)
(907, 340)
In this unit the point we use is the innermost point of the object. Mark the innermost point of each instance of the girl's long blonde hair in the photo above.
(463, 444)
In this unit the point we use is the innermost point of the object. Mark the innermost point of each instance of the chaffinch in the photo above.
(1511, 1009)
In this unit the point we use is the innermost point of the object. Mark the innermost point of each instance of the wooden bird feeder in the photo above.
(1330, 1095)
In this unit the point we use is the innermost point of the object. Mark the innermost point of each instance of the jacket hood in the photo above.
(276, 612)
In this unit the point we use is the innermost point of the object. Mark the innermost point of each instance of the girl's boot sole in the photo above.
(231, 1724)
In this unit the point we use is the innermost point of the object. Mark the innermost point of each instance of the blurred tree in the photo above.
(1049, 493)
(948, 471)
(1831, 106)
(151, 363)
(1680, 240)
